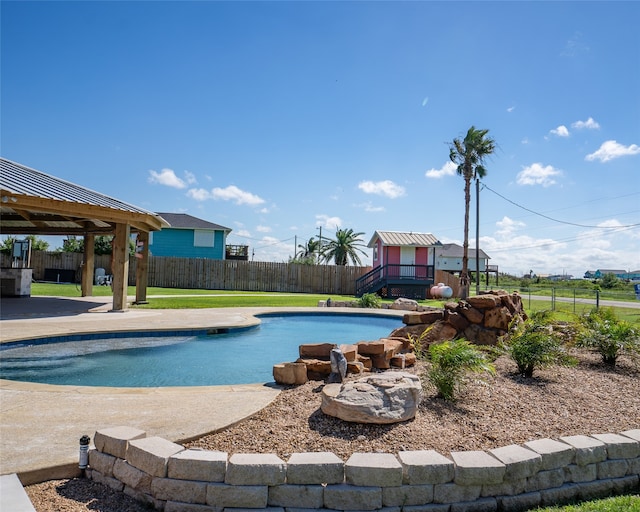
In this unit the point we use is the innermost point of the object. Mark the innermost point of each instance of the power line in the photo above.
(555, 242)
(556, 220)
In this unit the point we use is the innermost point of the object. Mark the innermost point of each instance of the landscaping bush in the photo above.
(451, 363)
(602, 332)
(369, 300)
(534, 343)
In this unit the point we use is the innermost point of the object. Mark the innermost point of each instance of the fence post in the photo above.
(553, 299)
(597, 299)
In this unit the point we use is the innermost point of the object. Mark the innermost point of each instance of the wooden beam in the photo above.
(61, 231)
(142, 266)
(120, 266)
(88, 266)
(87, 211)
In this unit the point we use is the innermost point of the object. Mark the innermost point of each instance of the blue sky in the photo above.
(278, 118)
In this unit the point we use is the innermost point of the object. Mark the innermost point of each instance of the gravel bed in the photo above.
(507, 409)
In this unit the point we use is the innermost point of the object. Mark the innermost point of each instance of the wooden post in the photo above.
(142, 266)
(120, 266)
(88, 265)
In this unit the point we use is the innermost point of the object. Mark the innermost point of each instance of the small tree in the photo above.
(37, 244)
(602, 332)
(609, 281)
(534, 344)
(451, 362)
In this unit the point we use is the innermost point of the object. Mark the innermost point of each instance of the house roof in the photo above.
(185, 221)
(404, 239)
(34, 202)
(456, 251)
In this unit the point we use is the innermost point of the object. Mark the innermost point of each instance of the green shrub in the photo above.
(602, 332)
(534, 344)
(451, 362)
(369, 300)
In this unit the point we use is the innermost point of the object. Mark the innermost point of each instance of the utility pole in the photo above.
(477, 236)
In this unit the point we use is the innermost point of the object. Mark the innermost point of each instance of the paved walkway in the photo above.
(40, 425)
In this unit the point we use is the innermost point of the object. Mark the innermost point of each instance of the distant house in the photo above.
(559, 277)
(449, 258)
(633, 275)
(620, 274)
(403, 264)
(189, 237)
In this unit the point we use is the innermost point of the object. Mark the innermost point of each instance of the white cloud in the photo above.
(537, 174)
(589, 124)
(199, 194)
(507, 226)
(263, 229)
(233, 193)
(448, 169)
(511, 109)
(382, 188)
(611, 149)
(369, 207)
(328, 222)
(560, 131)
(168, 178)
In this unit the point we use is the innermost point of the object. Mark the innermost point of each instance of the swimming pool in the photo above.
(241, 356)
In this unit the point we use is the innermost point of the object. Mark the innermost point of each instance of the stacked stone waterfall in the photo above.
(482, 319)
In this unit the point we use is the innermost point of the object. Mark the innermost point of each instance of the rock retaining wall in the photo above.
(544, 472)
(481, 319)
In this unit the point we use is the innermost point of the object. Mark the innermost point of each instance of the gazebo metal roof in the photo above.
(33, 202)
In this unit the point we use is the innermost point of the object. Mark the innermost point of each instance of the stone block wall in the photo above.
(513, 478)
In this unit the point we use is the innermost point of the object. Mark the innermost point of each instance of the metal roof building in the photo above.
(35, 203)
(404, 239)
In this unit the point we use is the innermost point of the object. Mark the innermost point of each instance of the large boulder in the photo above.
(382, 398)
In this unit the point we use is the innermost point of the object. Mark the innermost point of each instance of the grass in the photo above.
(180, 298)
(616, 504)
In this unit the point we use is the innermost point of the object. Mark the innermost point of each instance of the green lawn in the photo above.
(616, 504)
(176, 298)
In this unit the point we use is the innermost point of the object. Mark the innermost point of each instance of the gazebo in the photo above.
(36, 203)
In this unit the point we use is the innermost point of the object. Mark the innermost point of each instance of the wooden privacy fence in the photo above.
(250, 275)
(201, 273)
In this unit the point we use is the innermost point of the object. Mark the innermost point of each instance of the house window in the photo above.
(203, 238)
(375, 252)
(150, 237)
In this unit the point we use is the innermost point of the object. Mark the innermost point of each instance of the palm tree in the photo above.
(469, 155)
(343, 248)
(309, 249)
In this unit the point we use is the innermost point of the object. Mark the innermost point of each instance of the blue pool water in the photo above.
(238, 357)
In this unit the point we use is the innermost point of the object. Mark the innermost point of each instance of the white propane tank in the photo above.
(441, 290)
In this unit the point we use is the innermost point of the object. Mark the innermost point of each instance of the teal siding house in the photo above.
(189, 237)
